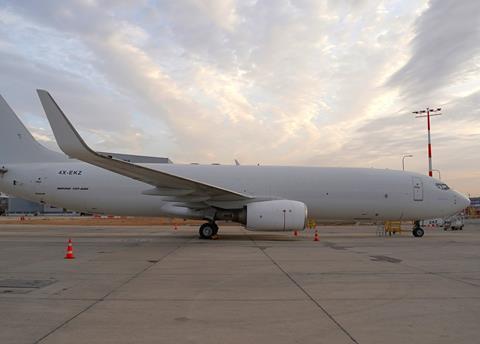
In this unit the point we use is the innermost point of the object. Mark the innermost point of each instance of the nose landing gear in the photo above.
(208, 230)
(417, 231)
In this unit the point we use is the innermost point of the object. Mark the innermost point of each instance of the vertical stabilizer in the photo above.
(17, 145)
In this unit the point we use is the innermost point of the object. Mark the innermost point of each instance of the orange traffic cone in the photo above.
(295, 233)
(315, 238)
(69, 254)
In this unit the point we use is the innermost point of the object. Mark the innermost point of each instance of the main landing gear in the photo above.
(417, 231)
(208, 230)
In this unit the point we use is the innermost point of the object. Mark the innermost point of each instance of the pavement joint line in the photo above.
(16, 298)
(312, 299)
(444, 275)
(343, 329)
(438, 274)
(65, 273)
(106, 295)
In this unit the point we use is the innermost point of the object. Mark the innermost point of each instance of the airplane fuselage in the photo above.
(329, 193)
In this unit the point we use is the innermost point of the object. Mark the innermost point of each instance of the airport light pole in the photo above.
(429, 113)
(439, 175)
(403, 160)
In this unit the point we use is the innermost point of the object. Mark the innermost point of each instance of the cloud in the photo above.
(381, 142)
(444, 49)
(276, 82)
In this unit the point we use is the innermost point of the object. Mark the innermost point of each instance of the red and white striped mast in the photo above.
(429, 113)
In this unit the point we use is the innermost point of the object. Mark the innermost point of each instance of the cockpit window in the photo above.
(442, 186)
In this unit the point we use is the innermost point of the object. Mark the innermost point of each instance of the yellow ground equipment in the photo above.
(393, 227)
(311, 224)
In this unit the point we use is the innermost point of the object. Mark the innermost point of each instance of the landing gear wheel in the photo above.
(208, 230)
(418, 232)
(215, 229)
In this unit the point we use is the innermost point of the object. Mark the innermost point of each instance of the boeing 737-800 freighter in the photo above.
(262, 198)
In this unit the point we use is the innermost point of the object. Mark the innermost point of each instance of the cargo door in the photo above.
(40, 186)
(417, 189)
(40, 191)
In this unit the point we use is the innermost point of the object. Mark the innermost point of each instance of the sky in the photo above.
(275, 82)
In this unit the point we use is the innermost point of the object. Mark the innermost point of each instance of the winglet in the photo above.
(68, 139)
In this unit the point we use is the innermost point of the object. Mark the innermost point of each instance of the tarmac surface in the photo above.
(153, 284)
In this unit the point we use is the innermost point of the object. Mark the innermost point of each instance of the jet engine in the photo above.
(276, 215)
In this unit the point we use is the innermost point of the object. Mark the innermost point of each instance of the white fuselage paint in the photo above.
(329, 193)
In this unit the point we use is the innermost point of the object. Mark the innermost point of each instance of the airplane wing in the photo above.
(166, 184)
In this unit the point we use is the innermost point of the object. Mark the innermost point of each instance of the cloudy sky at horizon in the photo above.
(322, 83)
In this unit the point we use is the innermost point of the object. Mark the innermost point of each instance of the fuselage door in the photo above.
(40, 188)
(417, 189)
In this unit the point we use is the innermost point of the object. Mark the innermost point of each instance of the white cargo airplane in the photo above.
(263, 198)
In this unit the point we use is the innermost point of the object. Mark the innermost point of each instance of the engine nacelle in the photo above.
(277, 215)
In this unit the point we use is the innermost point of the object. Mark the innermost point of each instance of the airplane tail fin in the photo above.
(17, 145)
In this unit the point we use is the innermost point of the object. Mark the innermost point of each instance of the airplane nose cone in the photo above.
(462, 201)
(466, 201)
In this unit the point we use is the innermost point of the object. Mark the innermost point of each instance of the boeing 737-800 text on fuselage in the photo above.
(263, 198)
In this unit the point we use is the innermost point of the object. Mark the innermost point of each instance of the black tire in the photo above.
(215, 229)
(207, 230)
(418, 232)
(461, 228)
